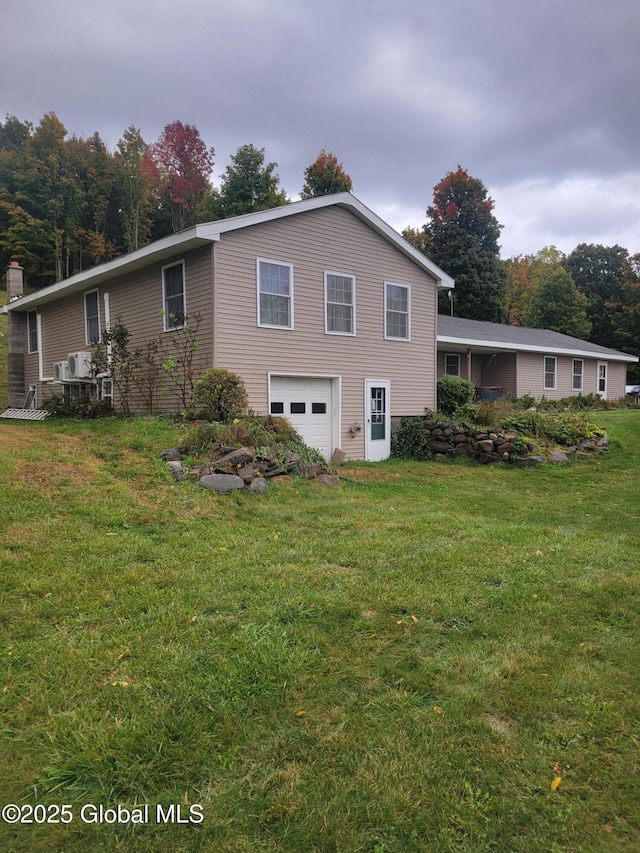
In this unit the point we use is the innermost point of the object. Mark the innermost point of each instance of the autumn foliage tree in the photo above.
(325, 175)
(461, 236)
(179, 165)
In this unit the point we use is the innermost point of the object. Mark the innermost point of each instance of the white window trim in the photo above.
(544, 372)
(408, 289)
(455, 355)
(279, 264)
(574, 374)
(34, 312)
(86, 318)
(165, 313)
(327, 330)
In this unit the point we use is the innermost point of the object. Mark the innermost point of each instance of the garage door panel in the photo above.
(306, 402)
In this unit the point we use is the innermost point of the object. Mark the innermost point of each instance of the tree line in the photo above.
(593, 292)
(67, 203)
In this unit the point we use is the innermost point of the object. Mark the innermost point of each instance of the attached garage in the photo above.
(311, 404)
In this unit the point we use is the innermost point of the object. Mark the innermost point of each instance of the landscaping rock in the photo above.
(558, 457)
(526, 461)
(440, 446)
(240, 456)
(258, 485)
(329, 479)
(171, 455)
(338, 456)
(249, 472)
(485, 445)
(222, 483)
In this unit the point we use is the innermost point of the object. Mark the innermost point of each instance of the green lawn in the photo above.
(402, 664)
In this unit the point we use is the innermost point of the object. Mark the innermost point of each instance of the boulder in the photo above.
(222, 483)
(258, 485)
(485, 445)
(329, 479)
(558, 456)
(240, 456)
(526, 461)
(439, 446)
(171, 455)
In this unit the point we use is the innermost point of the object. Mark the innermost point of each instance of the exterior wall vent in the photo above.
(79, 365)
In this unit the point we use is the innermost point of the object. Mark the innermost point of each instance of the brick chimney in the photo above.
(15, 281)
(17, 336)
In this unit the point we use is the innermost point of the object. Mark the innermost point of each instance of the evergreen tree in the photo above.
(249, 184)
(324, 176)
(461, 236)
(134, 189)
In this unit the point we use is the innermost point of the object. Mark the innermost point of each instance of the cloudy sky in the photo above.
(541, 101)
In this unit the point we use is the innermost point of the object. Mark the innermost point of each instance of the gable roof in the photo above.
(479, 334)
(210, 232)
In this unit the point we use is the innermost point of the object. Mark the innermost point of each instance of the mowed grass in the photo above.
(405, 663)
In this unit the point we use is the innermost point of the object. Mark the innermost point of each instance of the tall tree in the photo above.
(248, 184)
(557, 304)
(599, 273)
(325, 175)
(524, 275)
(461, 236)
(180, 164)
(625, 314)
(134, 189)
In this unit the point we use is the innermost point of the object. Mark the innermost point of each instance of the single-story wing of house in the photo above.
(327, 314)
(517, 360)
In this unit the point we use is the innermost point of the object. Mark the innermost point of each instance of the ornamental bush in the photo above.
(453, 392)
(218, 395)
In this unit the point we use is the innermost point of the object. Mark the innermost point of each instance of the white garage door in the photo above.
(307, 404)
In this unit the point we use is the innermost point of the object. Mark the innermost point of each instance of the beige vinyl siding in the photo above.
(313, 242)
(136, 299)
(616, 379)
(531, 377)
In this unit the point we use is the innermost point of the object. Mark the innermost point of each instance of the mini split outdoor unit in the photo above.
(61, 371)
(79, 365)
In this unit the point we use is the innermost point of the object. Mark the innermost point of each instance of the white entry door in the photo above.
(602, 379)
(377, 419)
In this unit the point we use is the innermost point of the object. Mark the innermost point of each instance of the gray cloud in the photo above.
(540, 100)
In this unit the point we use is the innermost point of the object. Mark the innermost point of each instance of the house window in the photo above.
(397, 311)
(91, 317)
(452, 364)
(578, 372)
(174, 303)
(549, 373)
(339, 302)
(32, 328)
(275, 294)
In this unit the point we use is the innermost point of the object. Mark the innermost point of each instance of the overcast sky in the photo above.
(541, 101)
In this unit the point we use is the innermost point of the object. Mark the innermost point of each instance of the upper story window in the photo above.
(173, 296)
(91, 317)
(578, 372)
(340, 304)
(549, 372)
(32, 330)
(275, 294)
(452, 364)
(397, 315)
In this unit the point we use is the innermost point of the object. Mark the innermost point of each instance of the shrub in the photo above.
(218, 395)
(453, 392)
(564, 428)
(409, 440)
